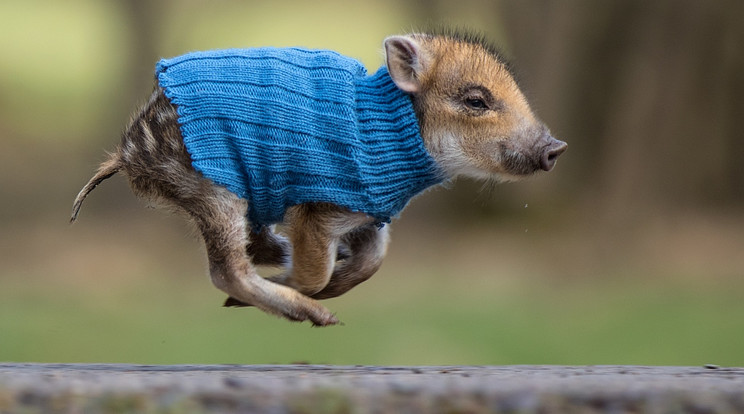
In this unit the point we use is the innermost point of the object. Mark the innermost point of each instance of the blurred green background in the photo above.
(630, 252)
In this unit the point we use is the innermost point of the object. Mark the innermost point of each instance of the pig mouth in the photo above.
(518, 163)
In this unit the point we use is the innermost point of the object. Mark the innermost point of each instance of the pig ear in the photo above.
(405, 62)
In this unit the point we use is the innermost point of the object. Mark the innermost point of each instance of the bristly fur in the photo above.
(468, 36)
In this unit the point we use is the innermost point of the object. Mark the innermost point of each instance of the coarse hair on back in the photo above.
(475, 38)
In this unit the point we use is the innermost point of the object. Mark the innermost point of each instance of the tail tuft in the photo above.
(106, 170)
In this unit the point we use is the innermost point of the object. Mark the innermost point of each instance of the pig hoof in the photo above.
(328, 320)
(231, 302)
(318, 317)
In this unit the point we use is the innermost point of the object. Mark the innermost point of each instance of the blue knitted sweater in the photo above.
(281, 127)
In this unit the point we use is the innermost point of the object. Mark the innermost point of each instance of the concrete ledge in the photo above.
(73, 388)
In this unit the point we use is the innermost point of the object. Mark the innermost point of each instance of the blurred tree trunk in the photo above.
(142, 19)
(648, 95)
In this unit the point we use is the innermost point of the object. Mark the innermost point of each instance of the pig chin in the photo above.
(518, 163)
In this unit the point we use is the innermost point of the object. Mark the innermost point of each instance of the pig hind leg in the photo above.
(154, 158)
(223, 224)
(267, 248)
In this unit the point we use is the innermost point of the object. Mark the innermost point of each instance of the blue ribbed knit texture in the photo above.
(281, 127)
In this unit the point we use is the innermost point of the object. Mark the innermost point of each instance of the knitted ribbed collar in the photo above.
(389, 130)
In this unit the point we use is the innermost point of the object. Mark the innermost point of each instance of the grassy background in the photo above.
(522, 281)
(109, 292)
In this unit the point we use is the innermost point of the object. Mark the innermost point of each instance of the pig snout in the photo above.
(550, 152)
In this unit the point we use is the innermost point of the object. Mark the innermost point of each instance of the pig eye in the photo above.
(476, 104)
(476, 100)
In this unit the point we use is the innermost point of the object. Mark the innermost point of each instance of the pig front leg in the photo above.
(367, 247)
(316, 231)
(333, 250)
(268, 248)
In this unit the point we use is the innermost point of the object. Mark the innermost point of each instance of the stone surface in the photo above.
(85, 388)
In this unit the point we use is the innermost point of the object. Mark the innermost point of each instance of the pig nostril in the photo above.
(547, 162)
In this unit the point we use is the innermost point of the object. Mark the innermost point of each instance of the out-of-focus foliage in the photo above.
(628, 252)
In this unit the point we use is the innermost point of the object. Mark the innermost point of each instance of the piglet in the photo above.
(239, 140)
